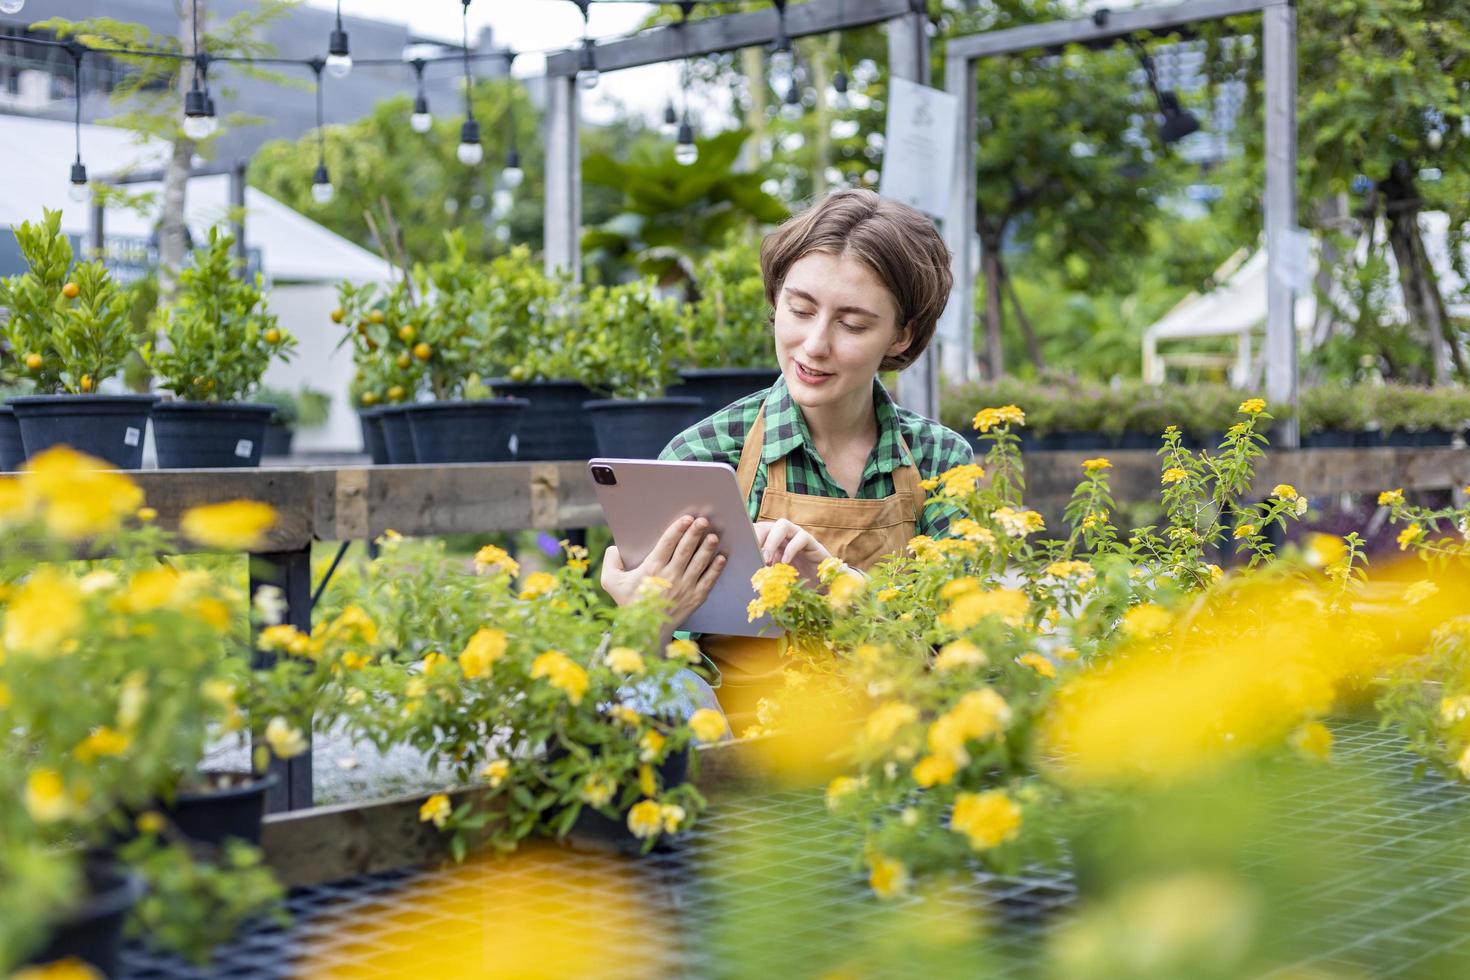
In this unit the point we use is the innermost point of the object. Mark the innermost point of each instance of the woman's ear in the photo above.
(902, 342)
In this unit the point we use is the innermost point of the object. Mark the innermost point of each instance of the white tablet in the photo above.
(640, 499)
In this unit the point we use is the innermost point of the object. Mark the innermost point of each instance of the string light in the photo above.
(420, 121)
(671, 119)
(199, 121)
(511, 175)
(839, 79)
(11, 6)
(470, 150)
(321, 182)
(685, 152)
(791, 101)
(78, 191)
(339, 57)
(782, 58)
(1178, 121)
(587, 73)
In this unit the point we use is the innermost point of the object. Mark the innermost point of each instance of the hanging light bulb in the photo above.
(671, 119)
(791, 103)
(199, 121)
(470, 151)
(685, 152)
(79, 191)
(839, 85)
(512, 175)
(421, 121)
(11, 6)
(1435, 138)
(339, 57)
(321, 185)
(587, 74)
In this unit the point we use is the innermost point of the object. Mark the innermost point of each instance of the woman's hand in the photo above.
(785, 542)
(686, 556)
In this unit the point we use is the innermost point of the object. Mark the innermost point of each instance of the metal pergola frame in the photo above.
(908, 57)
(1279, 40)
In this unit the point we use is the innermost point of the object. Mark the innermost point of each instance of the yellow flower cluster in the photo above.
(101, 741)
(537, 584)
(987, 819)
(959, 655)
(887, 719)
(236, 525)
(46, 797)
(495, 559)
(495, 772)
(773, 587)
(1412, 534)
(562, 673)
(1173, 474)
(972, 530)
(844, 589)
(598, 789)
(1391, 498)
(887, 876)
(1038, 663)
(1284, 491)
(708, 725)
(979, 715)
(436, 810)
(1079, 570)
(44, 614)
(840, 788)
(683, 649)
(970, 607)
(1017, 523)
(74, 495)
(960, 480)
(989, 418)
(648, 818)
(284, 738)
(1146, 620)
(478, 657)
(1097, 465)
(1252, 406)
(624, 660)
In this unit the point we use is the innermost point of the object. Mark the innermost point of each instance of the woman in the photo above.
(828, 464)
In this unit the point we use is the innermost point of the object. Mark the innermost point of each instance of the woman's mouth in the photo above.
(810, 376)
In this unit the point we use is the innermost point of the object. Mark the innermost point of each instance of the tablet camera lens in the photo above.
(604, 475)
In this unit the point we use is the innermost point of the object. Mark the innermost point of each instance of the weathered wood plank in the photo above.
(290, 492)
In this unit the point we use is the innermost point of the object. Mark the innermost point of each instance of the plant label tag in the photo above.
(243, 447)
(515, 443)
(132, 436)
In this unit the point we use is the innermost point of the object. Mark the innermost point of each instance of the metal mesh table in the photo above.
(766, 885)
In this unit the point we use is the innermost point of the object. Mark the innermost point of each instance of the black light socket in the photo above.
(469, 131)
(79, 173)
(839, 81)
(420, 105)
(320, 176)
(512, 160)
(196, 103)
(337, 44)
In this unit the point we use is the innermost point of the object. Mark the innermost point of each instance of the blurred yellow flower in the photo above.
(77, 496)
(887, 876)
(1463, 763)
(1390, 498)
(934, 770)
(102, 741)
(888, 718)
(647, 782)
(970, 608)
(651, 746)
(1018, 523)
(562, 673)
(1252, 406)
(1038, 663)
(1244, 531)
(959, 586)
(843, 589)
(1173, 475)
(1079, 570)
(624, 660)
(708, 725)
(495, 772)
(1093, 519)
(1284, 491)
(959, 655)
(886, 595)
(597, 789)
(1313, 741)
(495, 559)
(151, 589)
(436, 810)
(1324, 549)
(285, 638)
(284, 738)
(972, 530)
(773, 587)
(626, 715)
(683, 649)
(1146, 620)
(988, 819)
(839, 788)
(43, 614)
(645, 819)
(960, 480)
(484, 648)
(239, 525)
(1410, 535)
(46, 799)
(988, 418)
(146, 514)
(653, 585)
(1097, 465)
(537, 584)
(671, 816)
(1420, 591)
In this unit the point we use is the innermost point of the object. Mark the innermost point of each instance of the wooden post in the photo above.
(563, 220)
(1279, 30)
(289, 571)
(959, 361)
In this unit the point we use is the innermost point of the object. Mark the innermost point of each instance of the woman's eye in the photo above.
(800, 312)
(854, 327)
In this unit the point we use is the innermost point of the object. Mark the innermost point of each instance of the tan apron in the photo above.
(860, 532)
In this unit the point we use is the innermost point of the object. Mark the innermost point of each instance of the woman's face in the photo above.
(835, 323)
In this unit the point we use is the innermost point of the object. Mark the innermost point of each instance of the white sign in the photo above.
(919, 147)
(1294, 265)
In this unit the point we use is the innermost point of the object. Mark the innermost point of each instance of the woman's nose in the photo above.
(819, 340)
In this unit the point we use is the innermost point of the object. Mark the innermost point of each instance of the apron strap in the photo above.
(750, 455)
(907, 477)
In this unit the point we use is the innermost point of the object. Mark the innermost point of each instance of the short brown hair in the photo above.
(899, 244)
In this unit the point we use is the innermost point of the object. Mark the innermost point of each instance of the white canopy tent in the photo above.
(1237, 308)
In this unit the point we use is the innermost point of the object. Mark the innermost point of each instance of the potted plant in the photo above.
(383, 325)
(219, 339)
(1332, 416)
(464, 328)
(12, 450)
(305, 408)
(69, 331)
(543, 348)
(727, 329)
(633, 336)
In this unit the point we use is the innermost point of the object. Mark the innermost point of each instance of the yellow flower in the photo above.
(922, 547)
(958, 587)
(433, 660)
(495, 772)
(1324, 549)
(46, 798)
(933, 770)
(491, 558)
(43, 614)
(1038, 663)
(481, 652)
(562, 673)
(102, 741)
(1410, 535)
(1244, 531)
(839, 788)
(624, 660)
(1097, 465)
(929, 483)
(1093, 519)
(1463, 763)
(5, 696)
(537, 584)
(683, 649)
(1252, 406)
(1284, 491)
(213, 612)
(647, 781)
(1391, 498)
(1146, 620)
(988, 418)
(151, 589)
(672, 816)
(958, 655)
(987, 819)
(76, 495)
(971, 530)
(708, 725)
(146, 514)
(980, 714)
(150, 822)
(888, 718)
(238, 525)
(436, 810)
(69, 968)
(597, 789)
(1454, 709)
(960, 480)
(829, 569)
(1017, 523)
(970, 608)
(1313, 741)
(284, 738)
(284, 637)
(645, 819)
(653, 585)
(843, 589)
(887, 876)
(1420, 591)
(886, 595)
(356, 661)
(1080, 570)
(773, 587)
(1173, 475)
(651, 746)
(626, 715)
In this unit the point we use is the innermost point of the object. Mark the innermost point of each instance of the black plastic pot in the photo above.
(110, 427)
(1137, 439)
(1419, 438)
(12, 450)
(553, 427)
(209, 435)
(397, 436)
(234, 808)
(718, 387)
(1078, 441)
(93, 931)
(373, 442)
(278, 436)
(640, 429)
(1331, 439)
(466, 431)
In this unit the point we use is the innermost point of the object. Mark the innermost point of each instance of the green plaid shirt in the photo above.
(719, 438)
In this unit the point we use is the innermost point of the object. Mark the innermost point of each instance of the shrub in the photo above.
(728, 324)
